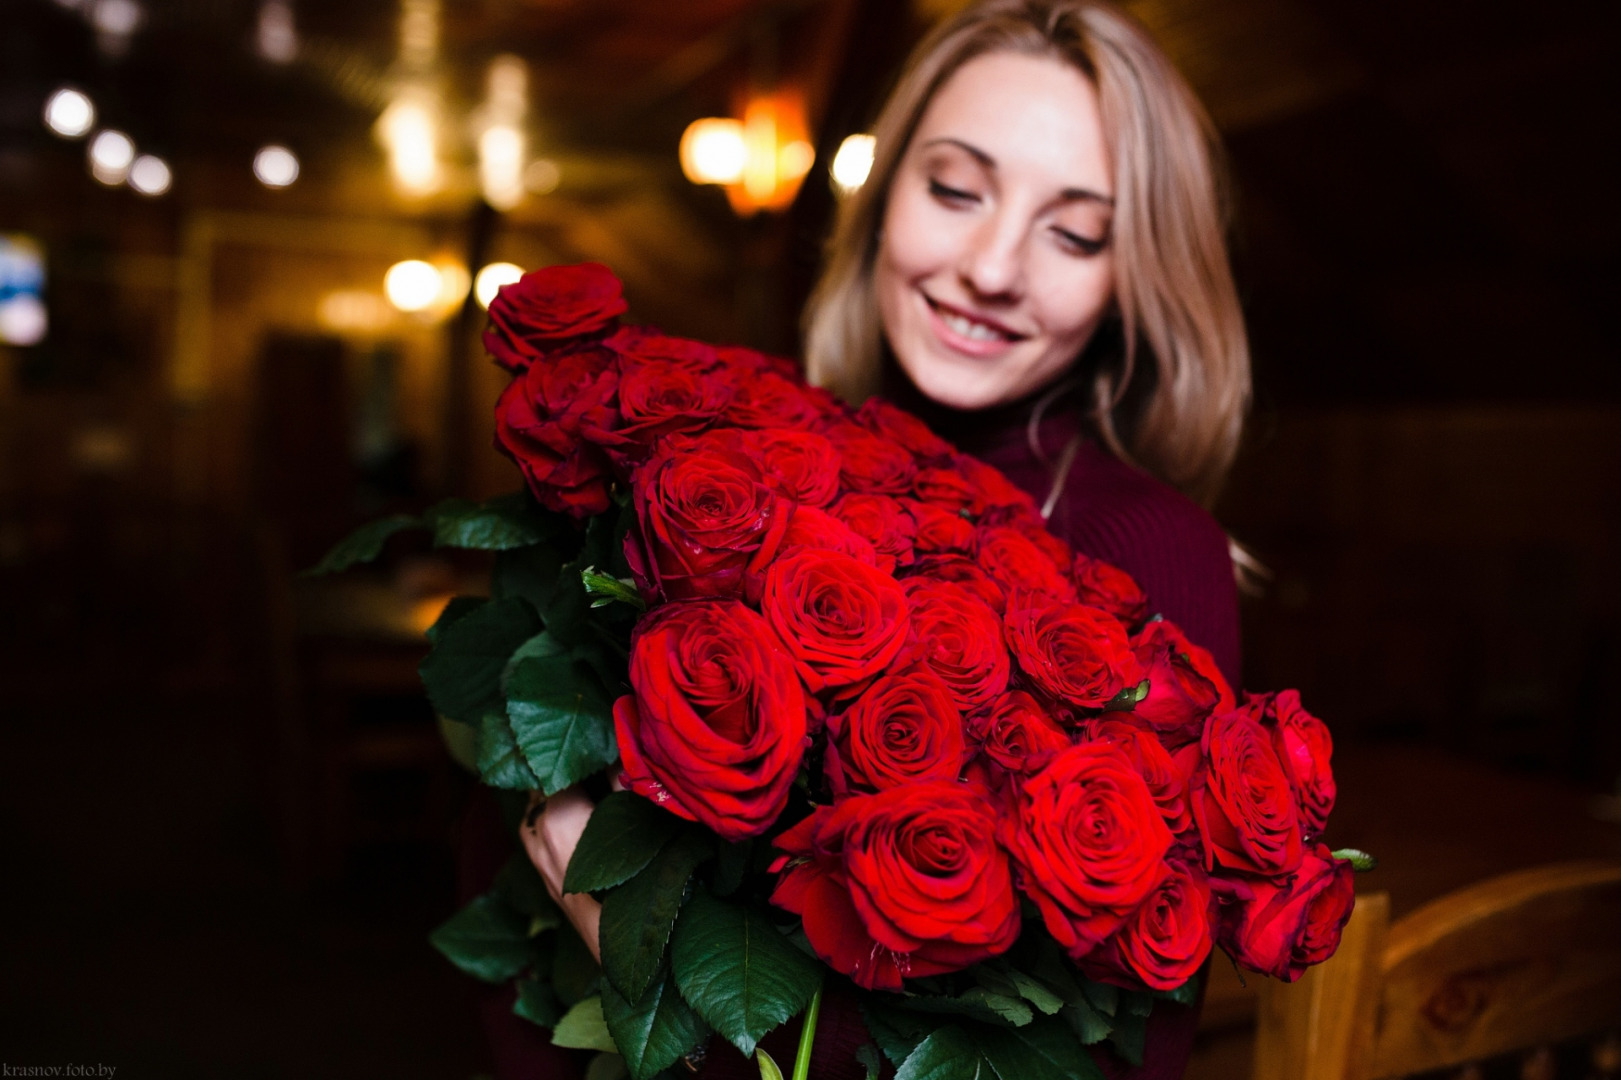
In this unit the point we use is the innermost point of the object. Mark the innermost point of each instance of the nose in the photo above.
(993, 258)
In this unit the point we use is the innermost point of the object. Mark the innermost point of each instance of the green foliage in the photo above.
(768, 1065)
(501, 763)
(501, 524)
(529, 573)
(575, 975)
(1129, 1035)
(638, 916)
(463, 672)
(623, 835)
(868, 1055)
(1186, 994)
(896, 1031)
(562, 717)
(1044, 1050)
(606, 1066)
(606, 589)
(363, 545)
(583, 1028)
(655, 1031)
(1128, 697)
(452, 613)
(1360, 861)
(737, 971)
(537, 1002)
(947, 1054)
(732, 866)
(487, 939)
(520, 885)
(979, 1003)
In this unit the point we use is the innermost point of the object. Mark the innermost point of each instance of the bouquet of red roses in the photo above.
(871, 717)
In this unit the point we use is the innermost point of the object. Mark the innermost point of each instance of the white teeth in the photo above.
(968, 328)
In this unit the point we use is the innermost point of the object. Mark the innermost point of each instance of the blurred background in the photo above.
(244, 248)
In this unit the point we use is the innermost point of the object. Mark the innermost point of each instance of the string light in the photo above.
(275, 166)
(150, 175)
(111, 153)
(70, 113)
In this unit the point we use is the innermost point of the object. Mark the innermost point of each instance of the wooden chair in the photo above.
(1520, 962)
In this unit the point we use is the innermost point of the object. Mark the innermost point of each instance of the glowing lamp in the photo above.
(491, 278)
(713, 151)
(413, 285)
(853, 162)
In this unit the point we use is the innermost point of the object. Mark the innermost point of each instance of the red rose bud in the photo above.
(881, 521)
(902, 428)
(1165, 778)
(1088, 844)
(716, 728)
(906, 883)
(960, 639)
(1020, 565)
(841, 620)
(939, 529)
(1305, 747)
(1185, 686)
(708, 522)
(870, 464)
(1242, 801)
(904, 727)
(1017, 734)
(813, 528)
(549, 309)
(1072, 652)
(1104, 585)
(1280, 926)
(1164, 941)
(801, 464)
(547, 421)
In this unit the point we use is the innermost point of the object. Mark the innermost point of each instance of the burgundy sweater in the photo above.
(1107, 510)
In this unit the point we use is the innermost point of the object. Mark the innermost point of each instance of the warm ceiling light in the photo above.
(150, 175)
(542, 176)
(110, 155)
(795, 159)
(853, 162)
(70, 113)
(409, 129)
(491, 278)
(713, 151)
(277, 34)
(413, 285)
(275, 166)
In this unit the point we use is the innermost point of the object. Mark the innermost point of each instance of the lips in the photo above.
(969, 332)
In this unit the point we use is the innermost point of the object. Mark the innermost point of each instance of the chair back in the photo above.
(1525, 960)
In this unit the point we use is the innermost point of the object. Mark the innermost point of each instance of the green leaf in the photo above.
(896, 1031)
(737, 971)
(1089, 1025)
(575, 974)
(1101, 996)
(1186, 994)
(867, 1054)
(637, 917)
(1036, 992)
(608, 589)
(732, 866)
(527, 573)
(768, 1065)
(979, 1003)
(657, 1030)
(583, 1028)
(510, 521)
(1129, 1036)
(1044, 1050)
(1128, 697)
(363, 545)
(537, 1002)
(623, 834)
(487, 939)
(947, 1054)
(562, 718)
(520, 885)
(463, 672)
(1360, 860)
(500, 763)
(1137, 1002)
(453, 613)
(540, 646)
(606, 1066)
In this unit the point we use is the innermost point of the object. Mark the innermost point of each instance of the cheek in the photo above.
(1072, 300)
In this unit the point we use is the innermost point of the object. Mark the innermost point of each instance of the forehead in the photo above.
(1033, 116)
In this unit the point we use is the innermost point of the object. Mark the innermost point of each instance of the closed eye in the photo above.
(950, 194)
(1079, 245)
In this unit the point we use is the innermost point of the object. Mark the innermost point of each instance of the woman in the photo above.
(1036, 266)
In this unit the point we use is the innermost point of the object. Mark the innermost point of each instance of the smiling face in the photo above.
(995, 264)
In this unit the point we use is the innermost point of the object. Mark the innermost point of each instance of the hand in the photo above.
(550, 836)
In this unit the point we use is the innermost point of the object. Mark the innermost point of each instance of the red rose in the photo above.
(882, 522)
(803, 464)
(1281, 926)
(1164, 942)
(1104, 585)
(946, 487)
(960, 638)
(547, 309)
(1073, 652)
(660, 399)
(872, 465)
(1088, 843)
(642, 344)
(813, 528)
(903, 429)
(964, 572)
(939, 529)
(1165, 777)
(709, 524)
(544, 422)
(991, 489)
(909, 882)
(1304, 747)
(766, 399)
(842, 620)
(903, 727)
(716, 728)
(1017, 734)
(1184, 684)
(1020, 565)
(1242, 801)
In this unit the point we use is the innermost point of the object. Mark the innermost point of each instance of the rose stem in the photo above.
(807, 1036)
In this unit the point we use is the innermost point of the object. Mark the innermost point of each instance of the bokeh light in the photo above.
(413, 285)
(275, 166)
(491, 278)
(70, 113)
(853, 162)
(150, 175)
(111, 153)
(713, 151)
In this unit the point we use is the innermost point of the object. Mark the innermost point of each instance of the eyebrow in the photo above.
(1068, 194)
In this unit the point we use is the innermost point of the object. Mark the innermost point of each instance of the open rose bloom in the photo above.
(946, 735)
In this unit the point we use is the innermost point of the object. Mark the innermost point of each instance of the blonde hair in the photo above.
(1172, 392)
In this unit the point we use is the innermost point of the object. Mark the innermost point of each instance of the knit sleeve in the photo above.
(1171, 546)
